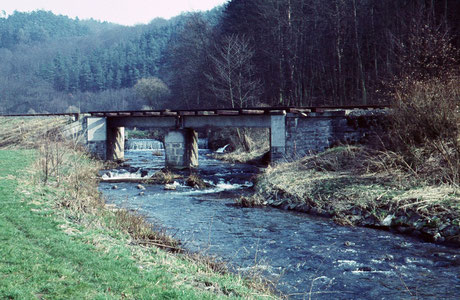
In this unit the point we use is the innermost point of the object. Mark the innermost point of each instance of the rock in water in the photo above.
(387, 221)
(171, 186)
(140, 187)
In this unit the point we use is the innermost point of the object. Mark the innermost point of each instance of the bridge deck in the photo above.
(228, 112)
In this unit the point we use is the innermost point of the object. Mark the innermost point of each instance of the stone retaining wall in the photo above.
(316, 132)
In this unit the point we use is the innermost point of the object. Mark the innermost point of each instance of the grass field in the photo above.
(50, 252)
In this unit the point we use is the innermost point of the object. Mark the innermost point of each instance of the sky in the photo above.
(125, 12)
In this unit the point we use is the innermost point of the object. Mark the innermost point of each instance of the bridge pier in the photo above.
(277, 138)
(115, 143)
(181, 148)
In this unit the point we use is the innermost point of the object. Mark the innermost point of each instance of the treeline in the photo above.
(39, 26)
(247, 53)
(304, 52)
(120, 66)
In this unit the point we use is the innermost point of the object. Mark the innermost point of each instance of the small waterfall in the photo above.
(143, 144)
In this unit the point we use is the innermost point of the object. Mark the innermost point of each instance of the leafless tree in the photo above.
(232, 78)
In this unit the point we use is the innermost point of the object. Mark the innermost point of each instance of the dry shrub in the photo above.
(63, 161)
(425, 129)
(144, 232)
(164, 176)
(425, 120)
(342, 158)
(195, 181)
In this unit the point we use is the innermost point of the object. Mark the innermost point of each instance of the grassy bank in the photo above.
(356, 186)
(60, 241)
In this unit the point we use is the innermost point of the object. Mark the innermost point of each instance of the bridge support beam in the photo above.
(277, 138)
(181, 149)
(115, 143)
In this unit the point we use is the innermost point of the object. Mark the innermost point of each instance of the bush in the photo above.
(425, 128)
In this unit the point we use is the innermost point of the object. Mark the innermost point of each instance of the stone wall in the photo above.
(316, 132)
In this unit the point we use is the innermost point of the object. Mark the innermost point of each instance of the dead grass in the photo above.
(164, 176)
(24, 132)
(193, 180)
(350, 178)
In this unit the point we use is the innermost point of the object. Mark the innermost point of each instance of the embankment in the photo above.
(59, 239)
(350, 185)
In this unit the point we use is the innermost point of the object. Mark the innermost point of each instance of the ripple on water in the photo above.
(306, 256)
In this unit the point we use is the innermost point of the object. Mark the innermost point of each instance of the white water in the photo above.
(143, 145)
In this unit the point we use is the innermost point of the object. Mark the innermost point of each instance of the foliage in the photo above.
(297, 53)
(38, 26)
(153, 90)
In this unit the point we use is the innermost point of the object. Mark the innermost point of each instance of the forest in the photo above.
(247, 53)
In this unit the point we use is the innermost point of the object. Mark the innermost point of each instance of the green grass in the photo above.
(44, 255)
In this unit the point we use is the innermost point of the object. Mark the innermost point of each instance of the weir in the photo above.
(293, 132)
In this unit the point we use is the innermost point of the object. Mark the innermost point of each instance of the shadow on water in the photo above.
(306, 256)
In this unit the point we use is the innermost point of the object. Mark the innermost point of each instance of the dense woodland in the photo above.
(247, 53)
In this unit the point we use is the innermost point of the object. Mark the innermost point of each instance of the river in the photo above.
(307, 257)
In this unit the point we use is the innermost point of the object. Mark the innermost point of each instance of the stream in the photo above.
(306, 257)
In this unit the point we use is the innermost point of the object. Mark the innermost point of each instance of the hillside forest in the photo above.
(247, 53)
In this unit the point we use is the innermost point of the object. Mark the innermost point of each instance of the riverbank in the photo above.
(60, 240)
(352, 185)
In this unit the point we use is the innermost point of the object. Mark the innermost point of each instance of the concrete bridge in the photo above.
(294, 132)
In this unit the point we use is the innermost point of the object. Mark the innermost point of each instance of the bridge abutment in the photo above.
(96, 132)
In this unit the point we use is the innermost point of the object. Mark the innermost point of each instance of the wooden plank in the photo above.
(124, 114)
(227, 112)
(169, 113)
(111, 114)
(205, 113)
(317, 109)
(138, 113)
(298, 110)
(187, 113)
(99, 114)
(152, 113)
(277, 112)
(252, 111)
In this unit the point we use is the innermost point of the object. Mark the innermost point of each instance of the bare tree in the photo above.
(232, 79)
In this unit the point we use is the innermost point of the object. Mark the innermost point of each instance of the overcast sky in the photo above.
(126, 12)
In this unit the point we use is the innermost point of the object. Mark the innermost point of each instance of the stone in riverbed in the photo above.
(140, 187)
(387, 221)
(348, 243)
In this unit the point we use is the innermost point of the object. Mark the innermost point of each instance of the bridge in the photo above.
(294, 132)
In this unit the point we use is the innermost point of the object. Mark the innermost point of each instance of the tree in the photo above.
(153, 90)
(232, 78)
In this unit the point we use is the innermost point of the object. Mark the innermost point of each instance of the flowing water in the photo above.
(307, 257)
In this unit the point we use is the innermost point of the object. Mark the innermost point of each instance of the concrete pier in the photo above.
(115, 143)
(181, 149)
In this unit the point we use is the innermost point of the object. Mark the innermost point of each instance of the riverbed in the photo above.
(306, 257)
